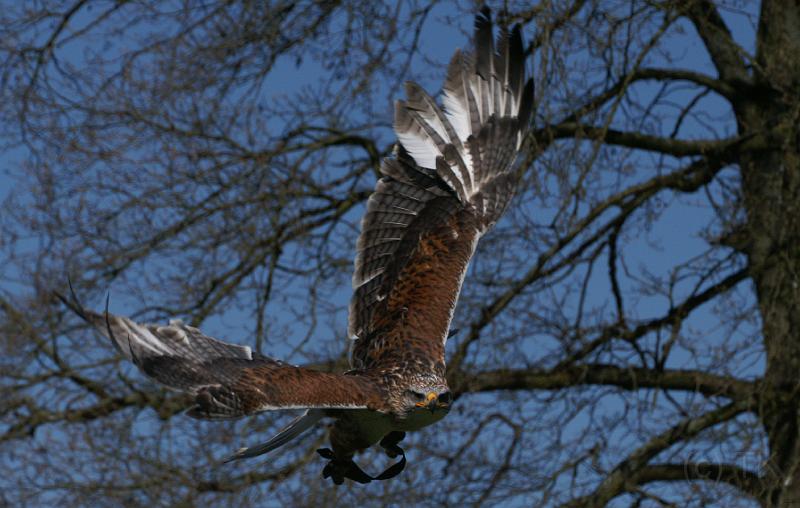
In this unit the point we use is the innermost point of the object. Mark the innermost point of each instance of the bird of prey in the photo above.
(449, 180)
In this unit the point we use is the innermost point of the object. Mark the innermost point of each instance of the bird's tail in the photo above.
(297, 427)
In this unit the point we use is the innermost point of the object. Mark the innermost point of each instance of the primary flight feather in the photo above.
(449, 181)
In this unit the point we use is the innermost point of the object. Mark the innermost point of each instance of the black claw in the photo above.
(325, 453)
(338, 469)
(389, 443)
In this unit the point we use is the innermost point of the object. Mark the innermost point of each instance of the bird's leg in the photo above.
(338, 469)
(389, 443)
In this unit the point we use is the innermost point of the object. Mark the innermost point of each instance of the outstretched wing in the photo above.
(227, 380)
(450, 181)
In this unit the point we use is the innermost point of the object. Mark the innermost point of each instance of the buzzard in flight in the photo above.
(449, 181)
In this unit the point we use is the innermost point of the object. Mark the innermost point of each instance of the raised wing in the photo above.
(450, 181)
(227, 380)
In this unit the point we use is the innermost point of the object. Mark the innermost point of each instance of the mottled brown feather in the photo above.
(412, 321)
(263, 385)
(229, 380)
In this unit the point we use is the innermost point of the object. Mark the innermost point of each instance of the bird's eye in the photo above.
(445, 397)
(417, 395)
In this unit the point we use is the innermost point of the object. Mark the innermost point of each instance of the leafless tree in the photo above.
(629, 334)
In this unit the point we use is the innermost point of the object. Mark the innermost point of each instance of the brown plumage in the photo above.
(450, 180)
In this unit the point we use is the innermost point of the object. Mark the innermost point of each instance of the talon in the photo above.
(326, 453)
(389, 444)
(338, 469)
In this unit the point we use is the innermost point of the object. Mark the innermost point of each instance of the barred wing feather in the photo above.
(450, 181)
(226, 380)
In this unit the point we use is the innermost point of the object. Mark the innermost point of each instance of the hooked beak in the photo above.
(430, 402)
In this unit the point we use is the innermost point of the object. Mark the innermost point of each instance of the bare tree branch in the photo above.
(628, 378)
(625, 474)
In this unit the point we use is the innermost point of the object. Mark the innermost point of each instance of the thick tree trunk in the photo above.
(771, 197)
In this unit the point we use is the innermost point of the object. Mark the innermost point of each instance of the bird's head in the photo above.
(423, 397)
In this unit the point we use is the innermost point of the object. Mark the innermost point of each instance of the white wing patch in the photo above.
(420, 147)
(143, 337)
(486, 111)
(456, 114)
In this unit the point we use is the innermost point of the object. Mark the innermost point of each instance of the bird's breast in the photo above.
(418, 419)
(362, 428)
